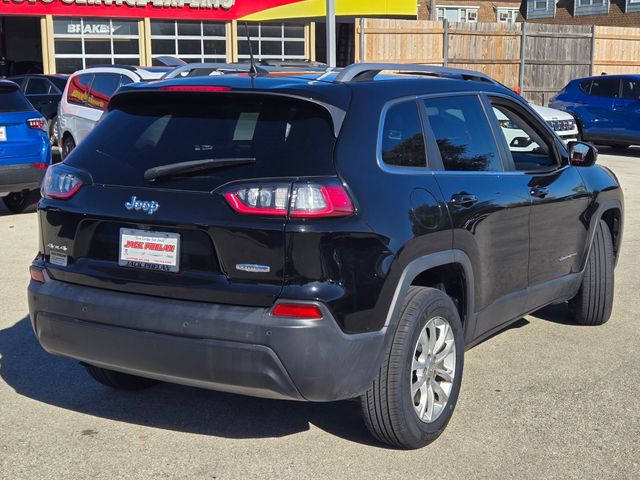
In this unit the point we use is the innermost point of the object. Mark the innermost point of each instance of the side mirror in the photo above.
(582, 154)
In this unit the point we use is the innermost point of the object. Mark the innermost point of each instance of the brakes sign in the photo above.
(149, 250)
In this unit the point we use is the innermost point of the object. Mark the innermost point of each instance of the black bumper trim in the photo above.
(15, 178)
(221, 347)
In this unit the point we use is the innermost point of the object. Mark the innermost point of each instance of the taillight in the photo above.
(37, 123)
(60, 182)
(263, 199)
(300, 200)
(297, 310)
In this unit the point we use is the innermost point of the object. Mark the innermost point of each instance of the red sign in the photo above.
(171, 9)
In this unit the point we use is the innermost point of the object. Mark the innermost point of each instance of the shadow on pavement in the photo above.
(62, 382)
(624, 152)
(558, 313)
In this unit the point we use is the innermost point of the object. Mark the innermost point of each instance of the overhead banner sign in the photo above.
(255, 10)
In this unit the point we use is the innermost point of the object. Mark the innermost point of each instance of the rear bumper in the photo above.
(15, 178)
(228, 348)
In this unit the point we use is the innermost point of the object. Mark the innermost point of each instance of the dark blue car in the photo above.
(607, 108)
(25, 149)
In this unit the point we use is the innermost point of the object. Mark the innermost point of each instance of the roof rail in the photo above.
(207, 68)
(131, 68)
(361, 72)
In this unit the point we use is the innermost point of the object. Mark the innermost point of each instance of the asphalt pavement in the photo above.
(542, 399)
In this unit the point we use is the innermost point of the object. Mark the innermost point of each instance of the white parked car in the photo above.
(87, 94)
(561, 122)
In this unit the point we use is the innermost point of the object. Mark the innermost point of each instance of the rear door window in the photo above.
(103, 87)
(38, 86)
(79, 88)
(463, 134)
(402, 140)
(605, 87)
(630, 89)
(11, 100)
(287, 137)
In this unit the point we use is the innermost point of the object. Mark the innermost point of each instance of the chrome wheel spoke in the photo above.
(418, 384)
(437, 389)
(433, 333)
(442, 338)
(417, 365)
(444, 353)
(444, 374)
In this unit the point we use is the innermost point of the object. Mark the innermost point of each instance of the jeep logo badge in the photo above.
(150, 207)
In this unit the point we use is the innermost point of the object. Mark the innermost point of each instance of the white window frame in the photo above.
(463, 12)
(536, 7)
(511, 12)
(112, 57)
(589, 3)
(202, 57)
(282, 39)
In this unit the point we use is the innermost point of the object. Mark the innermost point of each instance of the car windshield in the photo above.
(286, 137)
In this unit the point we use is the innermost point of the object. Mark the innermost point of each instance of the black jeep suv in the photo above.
(318, 236)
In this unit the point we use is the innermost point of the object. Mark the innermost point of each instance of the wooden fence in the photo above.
(553, 54)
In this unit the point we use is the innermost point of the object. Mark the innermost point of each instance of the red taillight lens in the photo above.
(37, 123)
(297, 310)
(194, 88)
(60, 182)
(40, 166)
(264, 199)
(311, 200)
(302, 200)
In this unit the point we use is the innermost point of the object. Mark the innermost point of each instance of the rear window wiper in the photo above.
(194, 166)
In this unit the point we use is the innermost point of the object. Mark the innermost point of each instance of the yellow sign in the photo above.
(353, 8)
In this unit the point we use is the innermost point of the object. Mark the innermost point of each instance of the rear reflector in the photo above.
(297, 310)
(37, 274)
(194, 88)
(40, 166)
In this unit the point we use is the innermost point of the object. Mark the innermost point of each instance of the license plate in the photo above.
(3, 134)
(149, 250)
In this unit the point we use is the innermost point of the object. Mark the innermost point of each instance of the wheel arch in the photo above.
(449, 271)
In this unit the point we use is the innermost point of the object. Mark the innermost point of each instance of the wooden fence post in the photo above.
(523, 46)
(445, 43)
(362, 44)
(593, 50)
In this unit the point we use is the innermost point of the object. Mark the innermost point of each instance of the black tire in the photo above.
(388, 405)
(21, 202)
(119, 380)
(594, 301)
(68, 144)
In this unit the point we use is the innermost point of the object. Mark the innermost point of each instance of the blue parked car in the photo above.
(607, 108)
(25, 149)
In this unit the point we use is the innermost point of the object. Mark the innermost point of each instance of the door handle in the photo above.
(463, 199)
(539, 192)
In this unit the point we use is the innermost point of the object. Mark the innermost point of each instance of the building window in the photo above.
(192, 41)
(458, 14)
(540, 5)
(589, 3)
(272, 41)
(82, 42)
(507, 15)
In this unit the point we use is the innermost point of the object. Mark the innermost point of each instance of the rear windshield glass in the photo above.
(287, 137)
(11, 100)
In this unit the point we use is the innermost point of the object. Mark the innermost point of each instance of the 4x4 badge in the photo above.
(146, 206)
